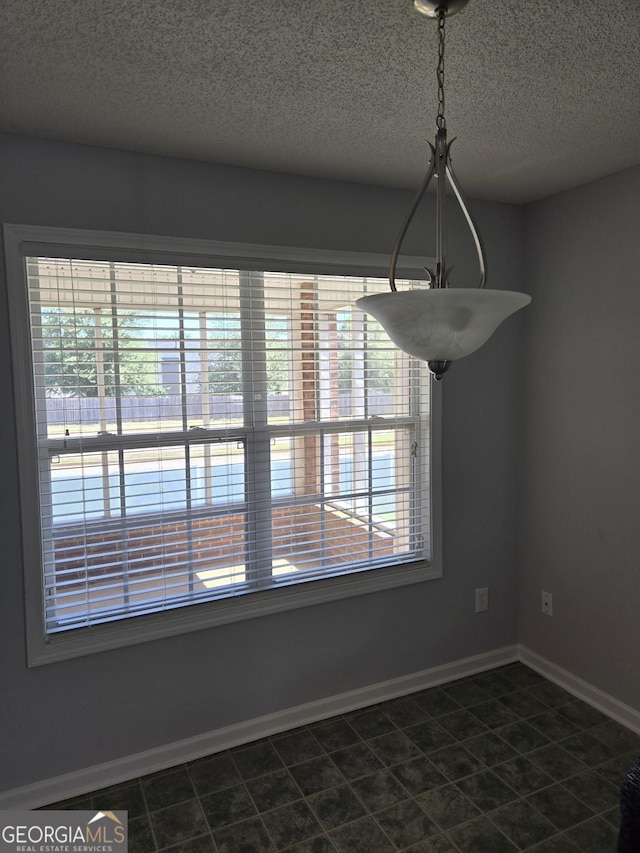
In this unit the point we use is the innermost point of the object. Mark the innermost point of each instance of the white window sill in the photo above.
(141, 629)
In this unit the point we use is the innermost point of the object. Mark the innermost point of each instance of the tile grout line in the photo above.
(193, 785)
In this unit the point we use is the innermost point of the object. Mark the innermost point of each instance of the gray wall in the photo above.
(580, 476)
(73, 714)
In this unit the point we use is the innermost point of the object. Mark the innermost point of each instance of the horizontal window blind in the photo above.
(206, 433)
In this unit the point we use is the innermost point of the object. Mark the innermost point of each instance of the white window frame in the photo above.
(23, 241)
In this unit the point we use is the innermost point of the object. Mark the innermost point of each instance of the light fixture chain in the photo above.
(441, 121)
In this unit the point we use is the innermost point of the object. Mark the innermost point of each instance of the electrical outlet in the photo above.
(482, 599)
(547, 603)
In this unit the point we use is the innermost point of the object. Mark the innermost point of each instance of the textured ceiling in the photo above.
(542, 94)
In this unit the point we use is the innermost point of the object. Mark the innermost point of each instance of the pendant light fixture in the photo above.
(435, 323)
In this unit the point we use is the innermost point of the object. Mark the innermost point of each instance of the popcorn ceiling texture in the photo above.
(543, 95)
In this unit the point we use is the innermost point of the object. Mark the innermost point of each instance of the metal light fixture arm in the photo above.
(440, 166)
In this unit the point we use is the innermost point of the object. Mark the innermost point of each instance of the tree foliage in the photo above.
(71, 354)
(225, 361)
(378, 362)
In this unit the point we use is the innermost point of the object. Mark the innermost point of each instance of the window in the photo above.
(208, 441)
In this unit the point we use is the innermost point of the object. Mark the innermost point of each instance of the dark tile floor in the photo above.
(502, 761)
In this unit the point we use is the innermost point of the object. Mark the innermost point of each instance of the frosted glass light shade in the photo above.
(442, 324)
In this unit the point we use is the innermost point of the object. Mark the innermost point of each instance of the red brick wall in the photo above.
(299, 534)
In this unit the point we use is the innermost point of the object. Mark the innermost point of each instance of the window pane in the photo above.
(352, 499)
(80, 486)
(135, 531)
(107, 572)
(119, 347)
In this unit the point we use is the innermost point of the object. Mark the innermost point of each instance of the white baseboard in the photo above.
(112, 772)
(624, 714)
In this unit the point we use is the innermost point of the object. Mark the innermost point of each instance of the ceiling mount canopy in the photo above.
(434, 323)
(433, 8)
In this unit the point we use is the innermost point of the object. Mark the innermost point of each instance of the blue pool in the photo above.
(75, 497)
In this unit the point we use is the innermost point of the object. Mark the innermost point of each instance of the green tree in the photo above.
(225, 360)
(71, 354)
(380, 358)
